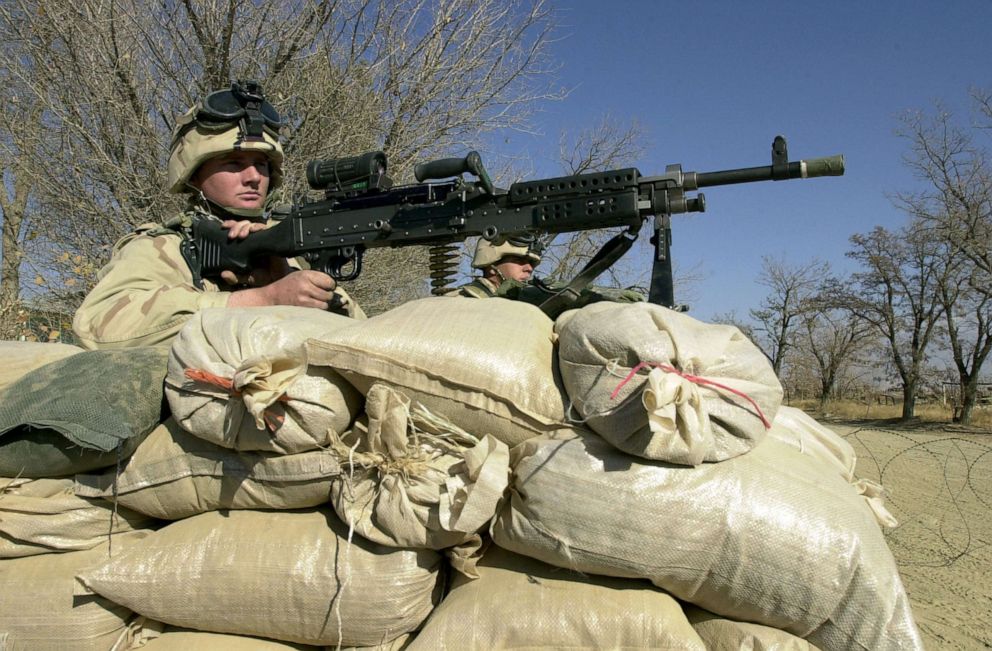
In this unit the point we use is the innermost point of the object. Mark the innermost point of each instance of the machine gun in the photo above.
(361, 210)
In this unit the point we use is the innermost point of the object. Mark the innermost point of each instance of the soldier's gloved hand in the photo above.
(631, 296)
(305, 288)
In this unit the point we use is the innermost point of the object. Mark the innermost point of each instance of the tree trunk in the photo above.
(969, 395)
(908, 400)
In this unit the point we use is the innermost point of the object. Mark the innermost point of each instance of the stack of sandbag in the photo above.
(67, 411)
(260, 439)
(689, 477)
(322, 476)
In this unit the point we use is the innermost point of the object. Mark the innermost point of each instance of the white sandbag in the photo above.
(285, 575)
(21, 357)
(41, 516)
(38, 609)
(410, 480)
(521, 603)
(769, 537)
(487, 366)
(719, 634)
(173, 475)
(661, 385)
(239, 378)
(798, 429)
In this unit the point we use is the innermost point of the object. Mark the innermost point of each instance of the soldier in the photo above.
(513, 259)
(226, 156)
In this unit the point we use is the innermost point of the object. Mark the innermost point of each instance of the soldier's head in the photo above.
(226, 148)
(512, 258)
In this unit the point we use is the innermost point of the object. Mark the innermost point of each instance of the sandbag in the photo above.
(768, 537)
(409, 480)
(485, 366)
(798, 429)
(40, 516)
(285, 575)
(661, 385)
(240, 378)
(38, 609)
(719, 634)
(174, 475)
(521, 603)
(81, 412)
(21, 357)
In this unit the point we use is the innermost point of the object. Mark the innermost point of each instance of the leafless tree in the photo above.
(897, 293)
(792, 288)
(956, 206)
(833, 342)
(967, 305)
(415, 78)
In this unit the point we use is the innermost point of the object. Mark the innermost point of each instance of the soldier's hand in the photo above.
(306, 288)
(239, 230)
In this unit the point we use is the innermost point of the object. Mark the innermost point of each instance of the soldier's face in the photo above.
(239, 179)
(516, 267)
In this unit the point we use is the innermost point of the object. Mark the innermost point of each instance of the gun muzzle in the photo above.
(829, 166)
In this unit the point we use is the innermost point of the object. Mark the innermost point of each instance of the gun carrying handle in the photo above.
(445, 168)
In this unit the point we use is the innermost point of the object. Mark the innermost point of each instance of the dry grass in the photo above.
(929, 413)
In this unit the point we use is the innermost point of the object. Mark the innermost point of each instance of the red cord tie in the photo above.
(272, 421)
(695, 379)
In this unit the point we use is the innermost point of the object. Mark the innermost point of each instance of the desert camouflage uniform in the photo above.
(146, 293)
(478, 288)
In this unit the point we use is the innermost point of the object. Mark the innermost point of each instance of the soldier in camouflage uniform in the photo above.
(510, 260)
(507, 270)
(226, 156)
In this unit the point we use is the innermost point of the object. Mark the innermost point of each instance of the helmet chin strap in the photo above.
(502, 278)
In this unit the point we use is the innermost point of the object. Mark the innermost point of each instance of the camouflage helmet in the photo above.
(489, 253)
(238, 119)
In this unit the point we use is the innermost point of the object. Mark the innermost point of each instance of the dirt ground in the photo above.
(939, 486)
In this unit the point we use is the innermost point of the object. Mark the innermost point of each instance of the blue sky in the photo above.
(711, 84)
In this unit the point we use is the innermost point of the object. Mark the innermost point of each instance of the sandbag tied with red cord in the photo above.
(662, 385)
(240, 378)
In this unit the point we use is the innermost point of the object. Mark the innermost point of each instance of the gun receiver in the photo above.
(362, 210)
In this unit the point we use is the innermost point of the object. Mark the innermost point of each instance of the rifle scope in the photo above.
(356, 173)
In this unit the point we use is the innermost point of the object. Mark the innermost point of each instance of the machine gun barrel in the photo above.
(801, 169)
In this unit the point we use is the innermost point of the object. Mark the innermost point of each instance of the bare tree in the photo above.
(833, 341)
(414, 78)
(967, 305)
(897, 293)
(792, 288)
(956, 207)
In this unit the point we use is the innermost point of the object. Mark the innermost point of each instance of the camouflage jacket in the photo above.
(478, 288)
(146, 293)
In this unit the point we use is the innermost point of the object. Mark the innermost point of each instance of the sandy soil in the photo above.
(939, 485)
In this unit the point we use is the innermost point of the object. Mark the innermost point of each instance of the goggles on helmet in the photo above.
(243, 105)
(532, 242)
